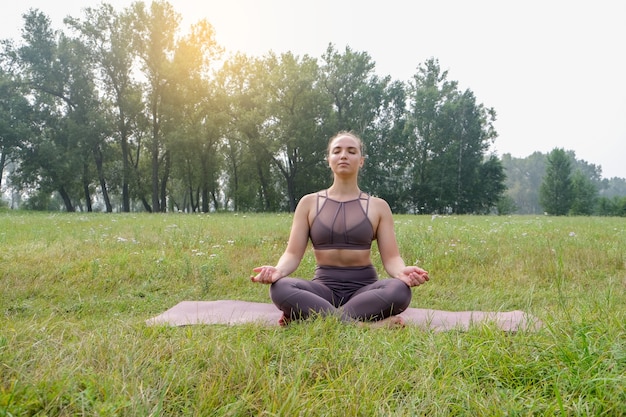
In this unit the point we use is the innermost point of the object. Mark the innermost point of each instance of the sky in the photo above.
(553, 70)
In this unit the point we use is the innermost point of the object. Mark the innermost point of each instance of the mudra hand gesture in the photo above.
(266, 274)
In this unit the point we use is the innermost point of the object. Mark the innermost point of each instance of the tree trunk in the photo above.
(3, 160)
(166, 174)
(205, 198)
(264, 197)
(204, 192)
(66, 200)
(196, 205)
(235, 184)
(216, 204)
(103, 185)
(155, 176)
(86, 187)
(146, 205)
(125, 174)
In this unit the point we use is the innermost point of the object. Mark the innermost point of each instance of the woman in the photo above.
(342, 222)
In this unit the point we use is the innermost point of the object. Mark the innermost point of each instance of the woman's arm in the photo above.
(388, 248)
(298, 239)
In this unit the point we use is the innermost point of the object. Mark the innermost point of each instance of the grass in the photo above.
(76, 290)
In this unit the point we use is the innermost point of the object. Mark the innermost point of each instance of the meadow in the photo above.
(76, 289)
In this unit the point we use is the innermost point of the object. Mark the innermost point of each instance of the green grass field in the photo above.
(76, 290)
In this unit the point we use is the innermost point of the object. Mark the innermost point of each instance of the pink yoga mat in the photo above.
(233, 312)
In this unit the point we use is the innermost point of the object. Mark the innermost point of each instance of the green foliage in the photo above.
(584, 195)
(556, 192)
(563, 192)
(449, 134)
(167, 130)
(591, 195)
(73, 339)
(15, 114)
(612, 187)
(615, 206)
(106, 35)
(385, 172)
(126, 111)
(523, 181)
(506, 205)
(489, 189)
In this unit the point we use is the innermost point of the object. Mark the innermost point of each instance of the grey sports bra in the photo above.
(342, 224)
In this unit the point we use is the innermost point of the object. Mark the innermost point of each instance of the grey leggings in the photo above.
(354, 293)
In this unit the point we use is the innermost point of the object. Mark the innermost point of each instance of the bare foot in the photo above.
(284, 321)
(393, 322)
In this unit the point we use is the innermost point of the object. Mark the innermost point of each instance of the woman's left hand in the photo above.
(413, 276)
(266, 274)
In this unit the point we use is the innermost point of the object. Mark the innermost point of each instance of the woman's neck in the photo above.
(341, 190)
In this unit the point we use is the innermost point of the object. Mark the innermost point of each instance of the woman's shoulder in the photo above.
(307, 200)
(379, 208)
(379, 203)
(309, 197)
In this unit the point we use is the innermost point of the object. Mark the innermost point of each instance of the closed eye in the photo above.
(351, 150)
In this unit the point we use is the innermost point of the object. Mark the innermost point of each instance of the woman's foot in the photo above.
(284, 321)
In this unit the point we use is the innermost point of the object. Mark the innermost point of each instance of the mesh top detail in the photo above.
(342, 224)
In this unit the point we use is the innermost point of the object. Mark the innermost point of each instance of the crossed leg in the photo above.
(378, 301)
(298, 299)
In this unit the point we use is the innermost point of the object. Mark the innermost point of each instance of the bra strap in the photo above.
(317, 202)
(366, 198)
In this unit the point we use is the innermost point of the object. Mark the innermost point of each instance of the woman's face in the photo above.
(345, 155)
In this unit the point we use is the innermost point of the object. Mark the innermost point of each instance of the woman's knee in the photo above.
(401, 292)
(281, 289)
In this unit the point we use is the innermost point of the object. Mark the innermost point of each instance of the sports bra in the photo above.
(342, 224)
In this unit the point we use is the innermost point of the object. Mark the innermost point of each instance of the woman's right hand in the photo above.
(266, 274)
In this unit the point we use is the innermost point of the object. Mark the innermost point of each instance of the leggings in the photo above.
(354, 293)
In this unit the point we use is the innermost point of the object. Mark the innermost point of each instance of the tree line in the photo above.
(120, 112)
(558, 183)
(124, 111)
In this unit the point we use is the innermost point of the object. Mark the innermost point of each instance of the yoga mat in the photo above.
(234, 312)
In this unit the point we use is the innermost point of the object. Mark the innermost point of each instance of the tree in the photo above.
(466, 134)
(386, 172)
(427, 92)
(154, 41)
(489, 191)
(349, 81)
(195, 123)
(373, 107)
(613, 187)
(295, 107)
(15, 118)
(58, 81)
(449, 134)
(107, 35)
(249, 183)
(584, 194)
(615, 206)
(556, 193)
(86, 120)
(523, 181)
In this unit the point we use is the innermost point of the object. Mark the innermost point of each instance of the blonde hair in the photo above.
(349, 134)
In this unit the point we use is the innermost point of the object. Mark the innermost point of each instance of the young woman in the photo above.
(342, 221)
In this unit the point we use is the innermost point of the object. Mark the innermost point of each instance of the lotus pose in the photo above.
(342, 221)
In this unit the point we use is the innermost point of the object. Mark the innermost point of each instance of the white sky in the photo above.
(554, 70)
